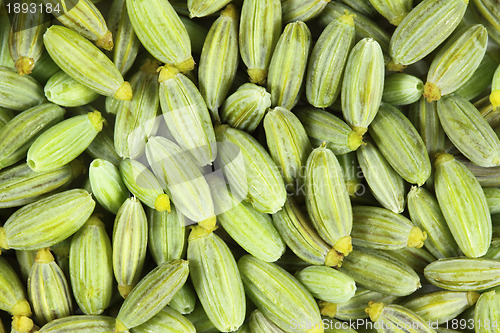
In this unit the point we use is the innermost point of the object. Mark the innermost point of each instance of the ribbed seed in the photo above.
(402, 89)
(83, 17)
(143, 184)
(91, 267)
(495, 88)
(186, 115)
(464, 206)
(424, 29)
(322, 126)
(20, 132)
(188, 188)
(126, 43)
(219, 60)
(85, 63)
(386, 185)
(380, 272)
(246, 107)
(480, 80)
(266, 283)
(364, 26)
(380, 228)
(136, 119)
(288, 65)
(485, 176)
(161, 32)
(396, 318)
(6, 115)
(130, 241)
(107, 185)
(216, 279)
(78, 324)
(327, 284)
(251, 172)
(152, 294)
(456, 62)
(426, 214)
(492, 195)
(393, 11)
(401, 145)
(64, 142)
(441, 306)
(48, 289)
(12, 295)
(40, 224)
(302, 10)
(258, 323)
(19, 185)
(167, 320)
(260, 28)
(487, 10)
(464, 274)
(197, 33)
(414, 257)
(363, 84)
(327, 62)
(63, 90)
(327, 199)
(25, 260)
(167, 235)
(200, 320)
(487, 313)
(5, 58)
(201, 8)
(350, 168)
(17, 92)
(25, 39)
(184, 300)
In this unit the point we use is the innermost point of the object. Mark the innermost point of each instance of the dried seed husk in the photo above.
(396, 318)
(167, 234)
(380, 228)
(79, 324)
(288, 65)
(487, 313)
(378, 271)
(186, 115)
(424, 28)
(386, 185)
(219, 60)
(201, 8)
(265, 283)
(402, 89)
(441, 306)
(85, 18)
(63, 90)
(251, 229)
(25, 38)
(479, 81)
(328, 60)
(456, 62)
(167, 320)
(250, 170)
(48, 289)
(12, 295)
(126, 43)
(136, 120)
(327, 284)
(426, 214)
(19, 185)
(187, 187)
(463, 205)
(152, 294)
(64, 142)
(40, 224)
(302, 10)
(84, 62)
(142, 183)
(393, 11)
(258, 323)
(130, 241)
(18, 92)
(20, 132)
(363, 84)
(327, 199)
(260, 29)
(401, 145)
(91, 267)
(464, 274)
(107, 185)
(216, 279)
(296, 229)
(161, 32)
(246, 107)
(184, 300)
(322, 126)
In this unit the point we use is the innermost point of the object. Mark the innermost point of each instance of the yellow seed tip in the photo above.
(374, 310)
(124, 93)
(347, 18)
(120, 327)
(394, 67)
(167, 72)
(360, 130)
(495, 98)
(25, 65)
(354, 140)
(125, 290)
(344, 245)
(22, 324)
(416, 237)
(473, 296)
(162, 203)
(432, 92)
(186, 66)
(209, 224)
(443, 158)
(257, 75)
(3, 239)
(327, 309)
(230, 11)
(43, 256)
(21, 308)
(96, 120)
(105, 41)
(333, 258)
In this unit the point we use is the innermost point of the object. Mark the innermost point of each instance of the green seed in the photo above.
(107, 185)
(12, 294)
(402, 89)
(167, 320)
(18, 92)
(63, 90)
